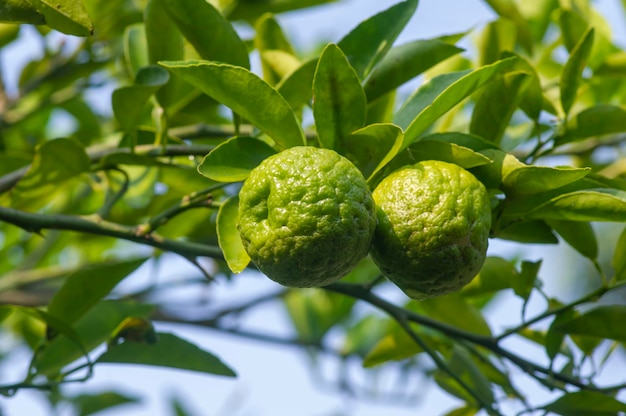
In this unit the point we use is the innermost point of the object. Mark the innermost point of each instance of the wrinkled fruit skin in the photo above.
(433, 228)
(306, 217)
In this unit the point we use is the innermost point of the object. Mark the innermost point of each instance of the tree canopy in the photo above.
(124, 144)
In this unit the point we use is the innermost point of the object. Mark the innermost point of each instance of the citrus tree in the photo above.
(127, 142)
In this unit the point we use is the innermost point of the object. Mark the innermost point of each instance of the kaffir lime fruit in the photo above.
(306, 216)
(433, 228)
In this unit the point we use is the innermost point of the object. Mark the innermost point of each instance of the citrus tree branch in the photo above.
(34, 222)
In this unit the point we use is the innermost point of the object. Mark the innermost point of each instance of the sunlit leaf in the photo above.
(495, 275)
(228, 236)
(373, 146)
(269, 40)
(454, 310)
(580, 403)
(571, 77)
(509, 10)
(169, 351)
(245, 93)
(20, 11)
(366, 44)
(579, 235)
(339, 105)
(593, 121)
(297, 87)
(232, 160)
(602, 322)
(67, 16)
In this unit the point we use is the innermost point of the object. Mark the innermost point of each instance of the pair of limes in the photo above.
(307, 217)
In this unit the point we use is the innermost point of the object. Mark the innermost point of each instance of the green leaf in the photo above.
(454, 310)
(442, 93)
(366, 44)
(497, 38)
(529, 232)
(220, 43)
(129, 102)
(395, 346)
(495, 275)
(494, 108)
(405, 62)
(587, 205)
(362, 336)
(232, 160)
(447, 152)
(470, 141)
(525, 282)
(463, 411)
(619, 259)
(55, 161)
(228, 236)
(246, 94)
(271, 38)
(67, 16)
(602, 322)
(169, 351)
(20, 11)
(93, 328)
(534, 179)
(582, 403)
(89, 404)
(579, 235)
(493, 174)
(135, 48)
(85, 287)
(509, 10)
(573, 27)
(372, 147)
(164, 42)
(593, 121)
(297, 87)
(339, 106)
(571, 77)
(251, 9)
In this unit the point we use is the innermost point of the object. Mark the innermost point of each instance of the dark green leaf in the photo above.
(619, 257)
(169, 351)
(67, 16)
(233, 159)
(372, 147)
(441, 94)
(583, 403)
(89, 404)
(494, 108)
(339, 105)
(228, 236)
(20, 11)
(405, 62)
(530, 232)
(245, 93)
(579, 235)
(602, 322)
(593, 121)
(366, 44)
(93, 328)
(462, 365)
(571, 77)
(495, 275)
(83, 288)
(525, 282)
(220, 43)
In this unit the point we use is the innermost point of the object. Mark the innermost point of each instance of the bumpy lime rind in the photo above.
(306, 217)
(433, 228)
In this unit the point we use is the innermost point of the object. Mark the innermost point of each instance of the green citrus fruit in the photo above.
(433, 226)
(306, 216)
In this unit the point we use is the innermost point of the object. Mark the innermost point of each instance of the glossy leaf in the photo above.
(587, 205)
(233, 159)
(584, 402)
(220, 43)
(447, 152)
(440, 95)
(339, 105)
(245, 93)
(129, 102)
(169, 351)
(228, 236)
(619, 257)
(533, 179)
(579, 235)
(602, 322)
(94, 328)
(85, 287)
(366, 44)
(494, 108)
(67, 16)
(372, 147)
(571, 76)
(594, 121)
(405, 62)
